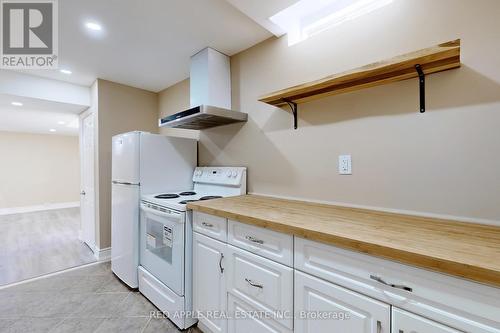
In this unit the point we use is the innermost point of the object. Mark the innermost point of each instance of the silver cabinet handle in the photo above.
(253, 284)
(208, 225)
(379, 326)
(254, 240)
(220, 263)
(82, 192)
(397, 286)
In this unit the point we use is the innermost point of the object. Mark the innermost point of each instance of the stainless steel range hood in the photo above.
(210, 94)
(203, 116)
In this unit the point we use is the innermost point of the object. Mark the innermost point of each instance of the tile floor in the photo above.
(34, 244)
(85, 299)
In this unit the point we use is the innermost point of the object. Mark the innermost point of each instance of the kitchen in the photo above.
(371, 209)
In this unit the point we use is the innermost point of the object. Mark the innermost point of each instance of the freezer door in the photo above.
(125, 158)
(125, 232)
(167, 163)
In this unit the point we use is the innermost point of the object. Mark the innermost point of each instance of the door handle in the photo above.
(82, 192)
(254, 240)
(379, 326)
(253, 284)
(220, 263)
(397, 286)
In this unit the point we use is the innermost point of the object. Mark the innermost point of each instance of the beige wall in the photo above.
(37, 169)
(445, 161)
(120, 109)
(172, 100)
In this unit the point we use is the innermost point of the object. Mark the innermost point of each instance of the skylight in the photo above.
(309, 17)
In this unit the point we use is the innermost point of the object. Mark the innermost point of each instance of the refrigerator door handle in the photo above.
(123, 183)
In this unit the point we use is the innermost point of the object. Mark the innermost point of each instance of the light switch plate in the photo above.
(345, 165)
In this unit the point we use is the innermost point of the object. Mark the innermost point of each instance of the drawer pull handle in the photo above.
(208, 225)
(401, 331)
(254, 240)
(397, 286)
(379, 326)
(220, 263)
(253, 284)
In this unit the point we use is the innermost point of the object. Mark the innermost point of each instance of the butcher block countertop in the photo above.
(466, 250)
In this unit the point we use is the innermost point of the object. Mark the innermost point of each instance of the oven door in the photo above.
(162, 245)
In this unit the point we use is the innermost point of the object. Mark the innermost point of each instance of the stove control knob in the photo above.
(229, 174)
(234, 174)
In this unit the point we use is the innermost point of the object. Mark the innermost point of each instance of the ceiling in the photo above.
(147, 44)
(38, 116)
(261, 10)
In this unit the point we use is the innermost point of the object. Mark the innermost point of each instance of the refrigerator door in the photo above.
(167, 163)
(125, 232)
(125, 158)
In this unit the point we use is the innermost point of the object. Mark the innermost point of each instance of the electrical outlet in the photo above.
(345, 165)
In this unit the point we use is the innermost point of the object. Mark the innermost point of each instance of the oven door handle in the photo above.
(177, 217)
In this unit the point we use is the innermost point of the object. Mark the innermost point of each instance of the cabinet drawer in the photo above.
(468, 306)
(249, 320)
(406, 322)
(336, 309)
(264, 284)
(267, 243)
(210, 225)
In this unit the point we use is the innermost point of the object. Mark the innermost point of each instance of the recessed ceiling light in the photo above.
(17, 104)
(61, 122)
(52, 130)
(93, 26)
(65, 71)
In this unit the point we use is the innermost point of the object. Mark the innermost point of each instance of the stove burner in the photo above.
(167, 196)
(208, 197)
(187, 193)
(183, 202)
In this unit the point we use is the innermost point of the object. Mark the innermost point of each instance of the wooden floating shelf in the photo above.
(430, 60)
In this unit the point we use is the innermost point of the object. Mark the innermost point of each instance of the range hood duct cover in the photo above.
(210, 94)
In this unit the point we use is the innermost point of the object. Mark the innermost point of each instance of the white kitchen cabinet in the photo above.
(250, 320)
(270, 244)
(322, 306)
(406, 322)
(209, 283)
(210, 225)
(264, 284)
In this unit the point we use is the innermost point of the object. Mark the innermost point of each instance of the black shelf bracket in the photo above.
(421, 79)
(294, 108)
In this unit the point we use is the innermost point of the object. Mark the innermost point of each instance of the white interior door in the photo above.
(87, 194)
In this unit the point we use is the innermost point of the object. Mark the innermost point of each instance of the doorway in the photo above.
(40, 201)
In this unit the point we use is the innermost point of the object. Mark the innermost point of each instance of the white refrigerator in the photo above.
(142, 163)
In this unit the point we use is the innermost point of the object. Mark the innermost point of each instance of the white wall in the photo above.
(38, 169)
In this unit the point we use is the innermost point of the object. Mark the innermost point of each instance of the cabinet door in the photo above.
(209, 283)
(406, 322)
(322, 306)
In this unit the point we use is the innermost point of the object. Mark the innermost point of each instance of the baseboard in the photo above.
(38, 208)
(102, 254)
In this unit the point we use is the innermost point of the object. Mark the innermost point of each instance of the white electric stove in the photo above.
(166, 227)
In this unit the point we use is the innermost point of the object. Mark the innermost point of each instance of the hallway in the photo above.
(38, 243)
